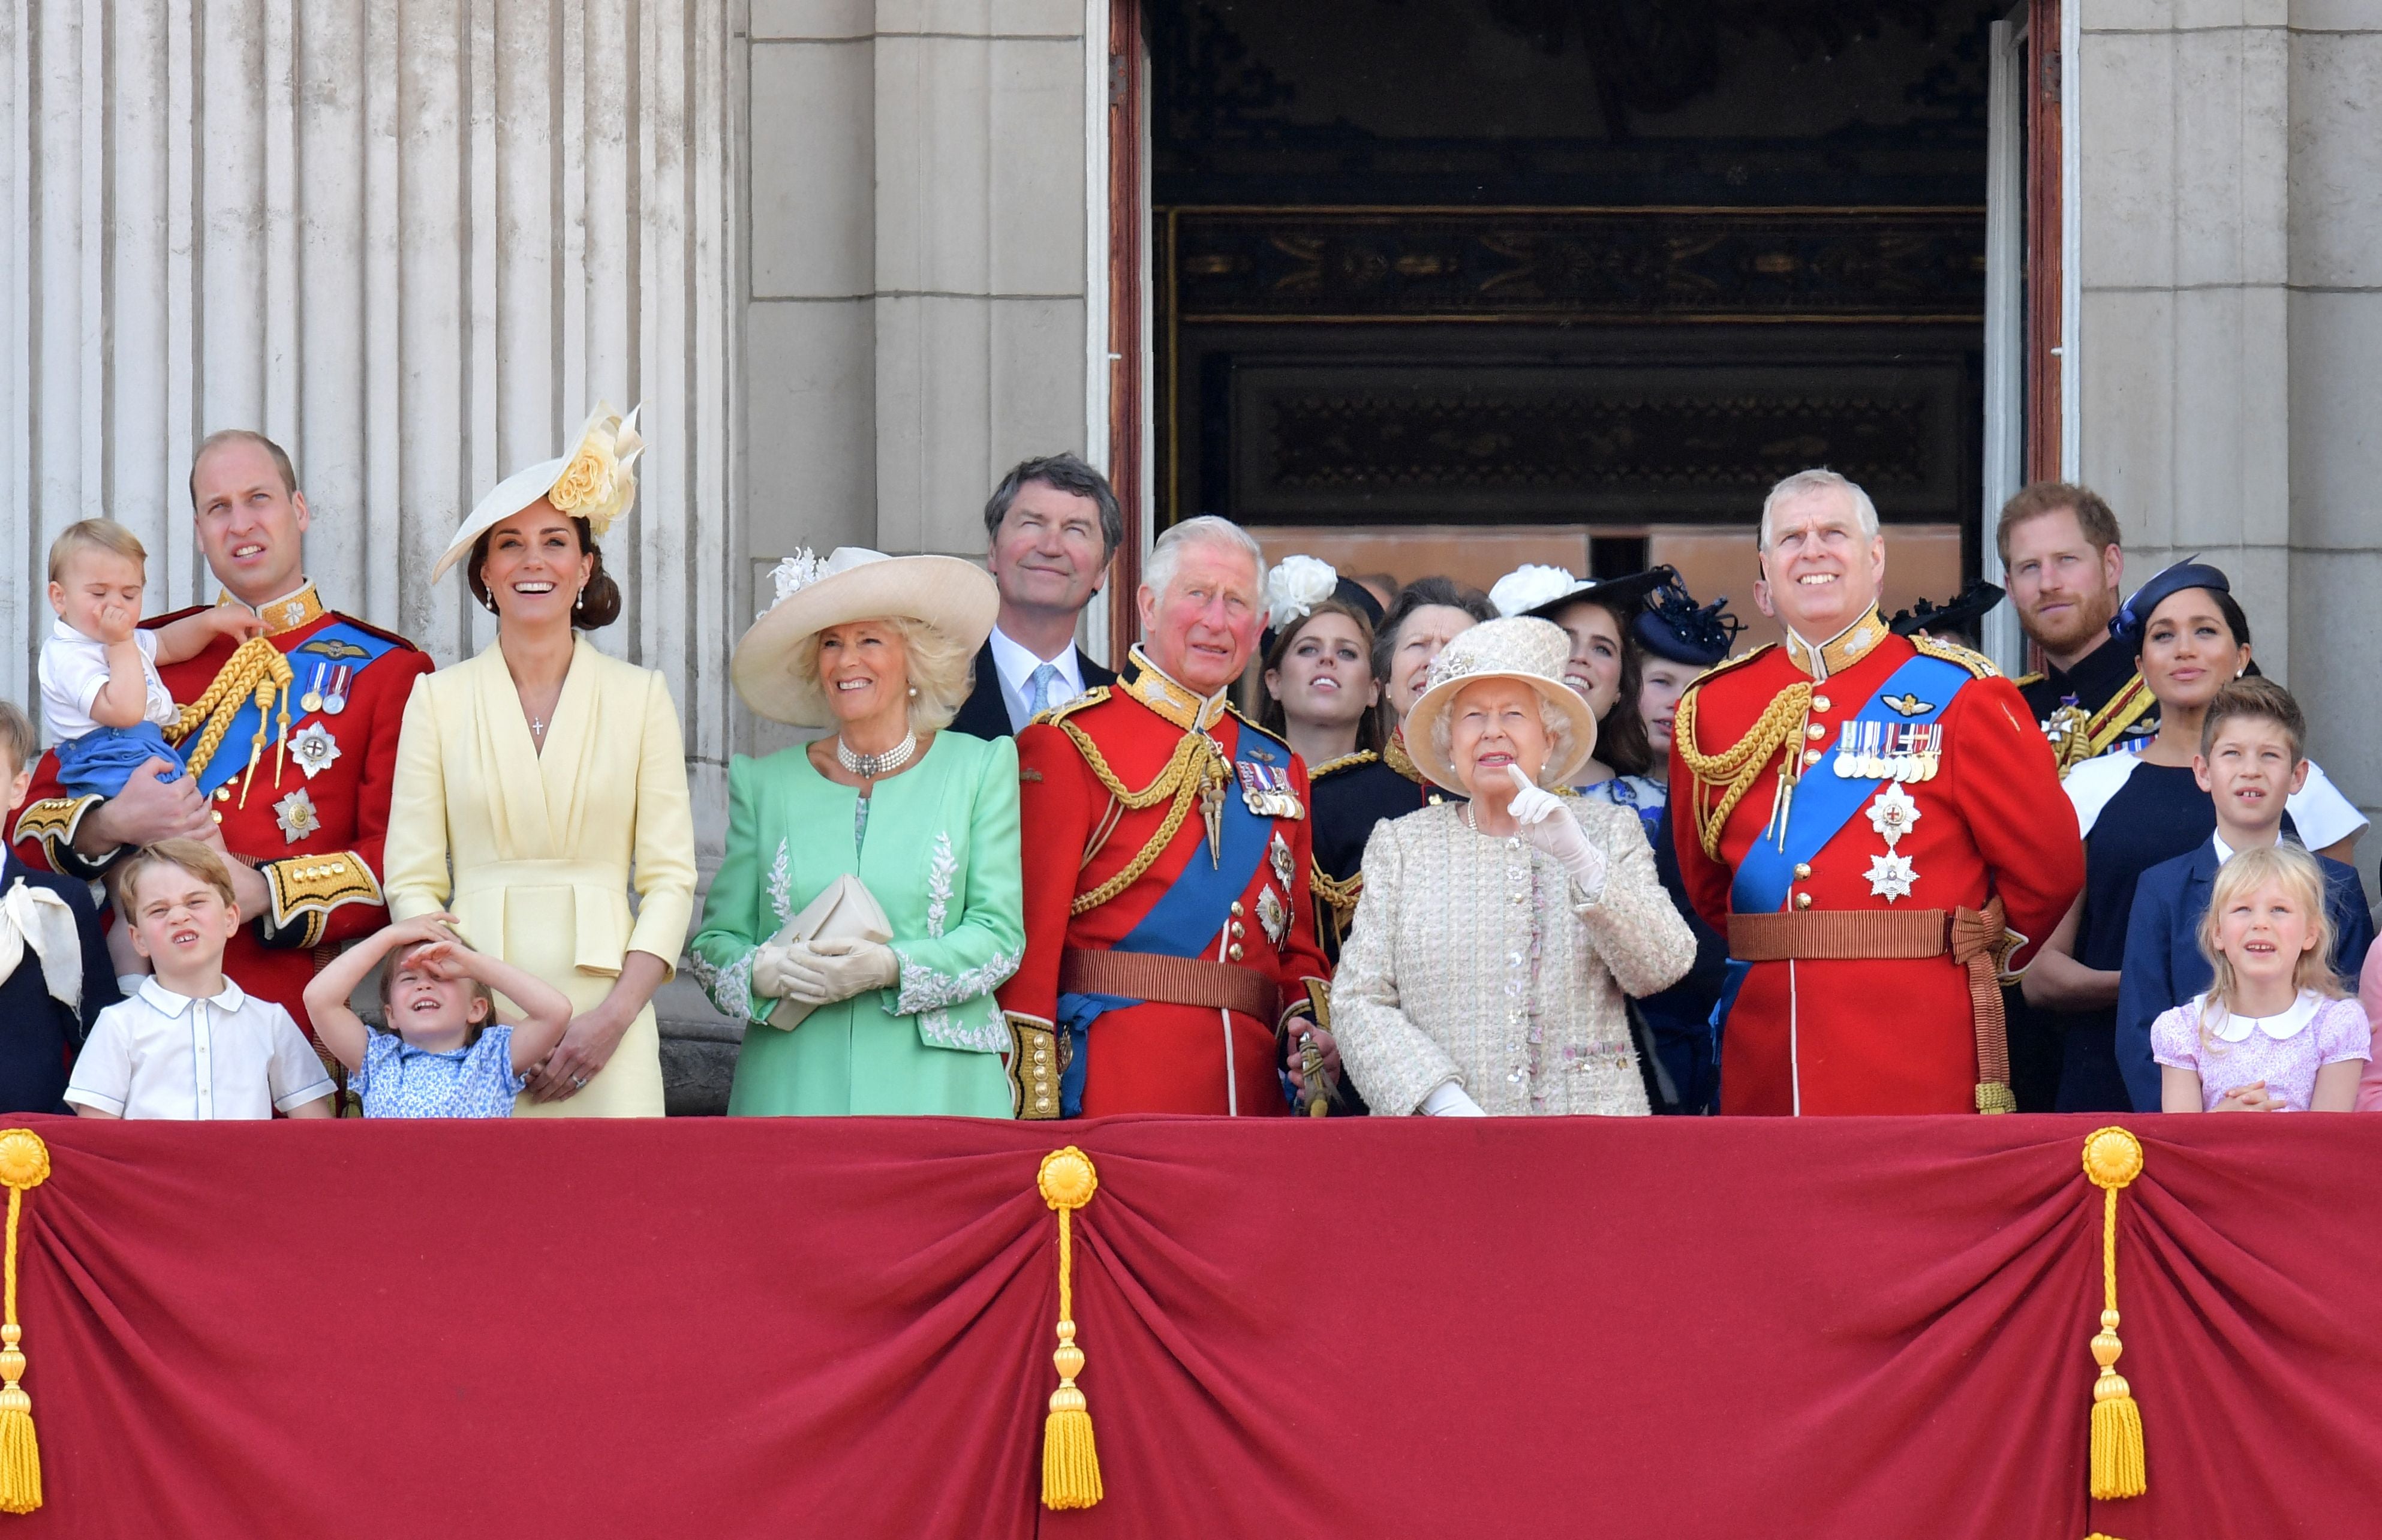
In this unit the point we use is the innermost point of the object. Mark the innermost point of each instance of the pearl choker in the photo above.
(872, 767)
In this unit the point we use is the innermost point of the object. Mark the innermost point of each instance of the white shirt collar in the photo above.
(2226, 851)
(1015, 664)
(164, 1001)
(2281, 1027)
(61, 632)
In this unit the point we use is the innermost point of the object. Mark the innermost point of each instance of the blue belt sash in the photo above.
(338, 643)
(1183, 921)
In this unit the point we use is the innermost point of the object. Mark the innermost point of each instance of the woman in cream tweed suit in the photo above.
(1496, 938)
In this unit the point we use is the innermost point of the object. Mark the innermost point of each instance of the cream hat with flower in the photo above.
(958, 598)
(1524, 649)
(596, 479)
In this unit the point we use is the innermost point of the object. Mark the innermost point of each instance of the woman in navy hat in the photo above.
(1675, 639)
(2188, 636)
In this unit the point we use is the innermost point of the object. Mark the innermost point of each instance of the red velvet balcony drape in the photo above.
(1649, 1327)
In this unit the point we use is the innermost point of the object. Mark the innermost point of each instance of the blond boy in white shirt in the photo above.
(190, 1043)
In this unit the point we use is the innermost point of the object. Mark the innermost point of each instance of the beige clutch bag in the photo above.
(846, 911)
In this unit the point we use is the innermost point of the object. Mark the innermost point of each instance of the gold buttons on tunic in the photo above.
(1816, 733)
(1802, 869)
(1233, 952)
(1802, 900)
(217, 817)
(223, 794)
(1819, 703)
(1811, 757)
(1239, 929)
(1237, 910)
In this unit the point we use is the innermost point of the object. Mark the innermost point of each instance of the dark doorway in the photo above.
(1454, 284)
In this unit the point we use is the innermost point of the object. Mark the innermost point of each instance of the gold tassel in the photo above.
(24, 1164)
(1070, 1464)
(2113, 1158)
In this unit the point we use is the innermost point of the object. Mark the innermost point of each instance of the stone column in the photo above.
(2232, 208)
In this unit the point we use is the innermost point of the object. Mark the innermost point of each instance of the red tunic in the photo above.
(1157, 1056)
(325, 883)
(1878, 1035)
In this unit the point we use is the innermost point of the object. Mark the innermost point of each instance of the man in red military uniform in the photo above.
(1876, 824)
(293, 759)
(1170, 960)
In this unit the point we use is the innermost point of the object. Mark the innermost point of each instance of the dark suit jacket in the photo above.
(2164, 967)
(38, 1035)
(986, 716)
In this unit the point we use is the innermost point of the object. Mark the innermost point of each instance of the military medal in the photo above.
(311, 701)
(1278, 853)
(1273, 913)
(297, 817)
(335, 700)
(1893, 815)
(315, 748)
(1265, 789)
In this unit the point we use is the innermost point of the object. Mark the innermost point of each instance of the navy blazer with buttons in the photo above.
(2164, 967)
(38, 1034)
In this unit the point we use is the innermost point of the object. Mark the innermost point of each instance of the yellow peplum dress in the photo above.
(543, 848)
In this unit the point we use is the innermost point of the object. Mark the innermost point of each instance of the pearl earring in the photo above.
(914, 692)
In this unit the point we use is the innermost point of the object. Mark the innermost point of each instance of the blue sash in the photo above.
(1824, 802)
(338, 643)
(1183, 921)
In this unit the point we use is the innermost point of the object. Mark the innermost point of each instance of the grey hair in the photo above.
(1550, 717)
(1864, 510)
(939, 667)
(1207, 529)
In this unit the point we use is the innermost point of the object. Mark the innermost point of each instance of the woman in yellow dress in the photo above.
(553, 777)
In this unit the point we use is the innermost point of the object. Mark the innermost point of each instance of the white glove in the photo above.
(1450, 1100)
(819, 973)
(769, 971)
(1548, 824)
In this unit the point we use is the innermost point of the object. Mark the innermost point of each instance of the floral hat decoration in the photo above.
(958, 598)
(596, 479)
(1296, 585)
(1522, 647)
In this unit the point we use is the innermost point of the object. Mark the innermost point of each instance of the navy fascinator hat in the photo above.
(2134, 616)
(1671, 624)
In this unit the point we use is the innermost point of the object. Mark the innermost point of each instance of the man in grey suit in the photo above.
(1052, 525)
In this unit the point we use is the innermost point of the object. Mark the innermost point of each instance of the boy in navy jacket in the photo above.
(2250, 758)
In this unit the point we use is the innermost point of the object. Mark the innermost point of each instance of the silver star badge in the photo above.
(1279, 854)
(1890, 876)
(1274, 914)
(1893, 813)
(297, 816)
(314, 749)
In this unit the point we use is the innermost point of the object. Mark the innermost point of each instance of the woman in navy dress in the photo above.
(58, 978)
(2188, 636)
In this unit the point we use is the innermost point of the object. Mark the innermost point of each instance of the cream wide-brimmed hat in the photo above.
(1524, 649)
(595, 479)
(958, 598)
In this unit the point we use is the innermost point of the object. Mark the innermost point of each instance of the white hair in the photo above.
(1801, 482)
(1209, 530)
(1550, 717)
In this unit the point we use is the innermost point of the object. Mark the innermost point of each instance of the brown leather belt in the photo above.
(1973, 937)
(1174, 981)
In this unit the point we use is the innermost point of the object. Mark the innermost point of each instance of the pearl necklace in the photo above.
(874, 767)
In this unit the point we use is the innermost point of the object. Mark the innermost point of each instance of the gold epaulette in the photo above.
(1727, 664)
(1344, 762)
(307, 887)
(1064, 709)
(2024, 680)
(1977, 664)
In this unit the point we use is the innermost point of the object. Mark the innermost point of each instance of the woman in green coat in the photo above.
(881, 649)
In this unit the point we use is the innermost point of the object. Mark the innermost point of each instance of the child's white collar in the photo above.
(2230, 1027)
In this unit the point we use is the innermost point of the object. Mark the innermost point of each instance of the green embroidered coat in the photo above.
(939, 852)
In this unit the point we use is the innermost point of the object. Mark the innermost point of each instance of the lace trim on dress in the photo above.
(730, 988)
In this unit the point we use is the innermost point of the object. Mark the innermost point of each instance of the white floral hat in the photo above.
(958, 598)
(1295, 585)
(596, 479)
(1522, 647)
